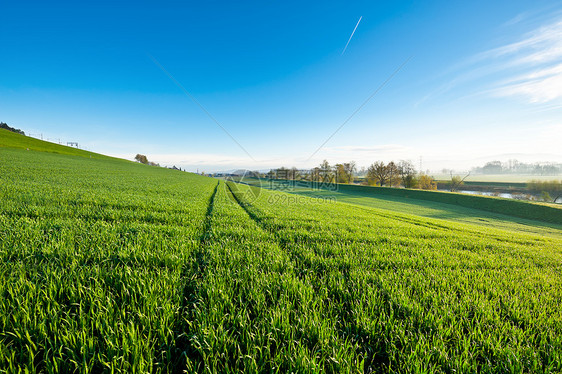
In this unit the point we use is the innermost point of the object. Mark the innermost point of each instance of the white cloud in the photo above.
(532, 65)
(543, 88)
(545, 40)
(528, 69)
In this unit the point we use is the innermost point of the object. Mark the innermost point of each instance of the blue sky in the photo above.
(483, 80)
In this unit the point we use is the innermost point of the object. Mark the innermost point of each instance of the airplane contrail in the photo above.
(351, 35)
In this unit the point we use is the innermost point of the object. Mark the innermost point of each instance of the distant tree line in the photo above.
(401, 174)
(5, 126)
(339, 173)
(516, 167)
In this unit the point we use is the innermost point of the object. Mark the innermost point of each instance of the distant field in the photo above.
(112, 266)
(424, 208)
(507, 178)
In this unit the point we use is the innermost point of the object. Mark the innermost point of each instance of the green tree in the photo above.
(141, 158)
(341, 175)
(4, 125)
(426, 183)
(545, 196)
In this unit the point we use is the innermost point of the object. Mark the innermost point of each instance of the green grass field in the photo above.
(108, 265)
(424, 208)
(9, 139)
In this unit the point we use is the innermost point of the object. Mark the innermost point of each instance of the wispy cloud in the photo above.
(541, 45)
(528, 68)
(532, 65)
(540, 86)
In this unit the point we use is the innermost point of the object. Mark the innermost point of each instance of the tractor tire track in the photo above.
(193, 274)
(375, 349)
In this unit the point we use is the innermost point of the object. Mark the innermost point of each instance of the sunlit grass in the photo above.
(108, 265)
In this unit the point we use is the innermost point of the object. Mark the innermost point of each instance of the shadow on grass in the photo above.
(432, 209)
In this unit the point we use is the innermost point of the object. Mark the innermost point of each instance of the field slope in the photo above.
(108, 265)
(12, 140)
(546, 219)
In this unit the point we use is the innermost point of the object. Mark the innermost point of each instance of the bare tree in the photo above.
(295, 173)
(393, 174)
(350, 169)
(377, 173)
(457, 181)
(407, 173)
(315, 174)
(282, 173)
(362, 172)
(326, 174)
